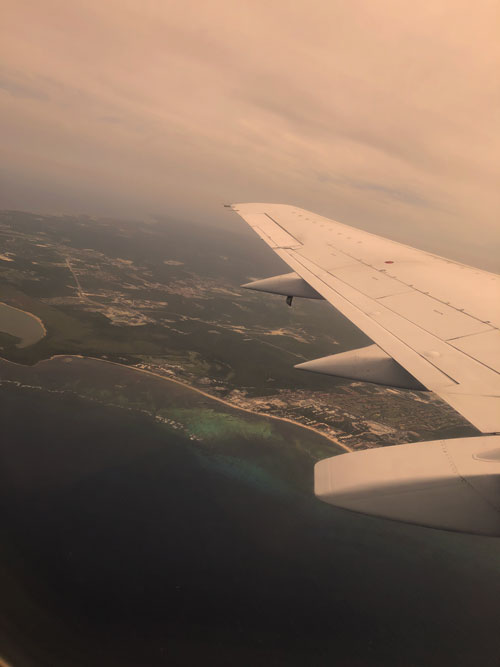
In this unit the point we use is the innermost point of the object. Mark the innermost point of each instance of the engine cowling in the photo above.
(448, 484)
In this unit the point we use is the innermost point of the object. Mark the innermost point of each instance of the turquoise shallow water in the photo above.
(20, 324)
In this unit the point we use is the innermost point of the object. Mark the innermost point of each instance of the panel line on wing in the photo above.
(424, 359)
(438, 342)
(396, 279)
(470, 356)
(409, 285)
(299, 243)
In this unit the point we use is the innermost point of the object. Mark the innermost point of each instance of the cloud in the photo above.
(380, 114)
(20, 88)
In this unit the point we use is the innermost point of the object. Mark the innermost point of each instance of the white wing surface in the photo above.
(434, 324)
(437, 318)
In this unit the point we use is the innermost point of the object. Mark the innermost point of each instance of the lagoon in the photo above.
(21, 324)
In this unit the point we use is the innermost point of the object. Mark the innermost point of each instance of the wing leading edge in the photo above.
(436, 319)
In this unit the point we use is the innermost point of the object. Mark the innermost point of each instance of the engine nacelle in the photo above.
(448, 484)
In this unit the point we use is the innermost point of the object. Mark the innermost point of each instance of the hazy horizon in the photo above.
(384, 116)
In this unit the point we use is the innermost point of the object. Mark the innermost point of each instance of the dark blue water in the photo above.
(122, 547)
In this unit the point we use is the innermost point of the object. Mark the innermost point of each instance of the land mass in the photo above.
(144, 522)
(153, 297)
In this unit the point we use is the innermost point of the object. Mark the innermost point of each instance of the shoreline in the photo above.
(35, 317)
(199, 391)
(224, 402)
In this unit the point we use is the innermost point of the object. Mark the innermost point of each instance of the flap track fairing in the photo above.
(288, 284)
(368, 364)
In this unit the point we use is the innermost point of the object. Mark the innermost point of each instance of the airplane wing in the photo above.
(434, 324)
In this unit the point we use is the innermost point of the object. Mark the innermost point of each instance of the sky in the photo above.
(382, 114)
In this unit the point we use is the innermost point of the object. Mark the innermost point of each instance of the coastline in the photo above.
(216, 398)
(198, 391)
(35, 317)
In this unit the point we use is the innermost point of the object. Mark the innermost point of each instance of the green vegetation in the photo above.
(73, 331)
(191, 312)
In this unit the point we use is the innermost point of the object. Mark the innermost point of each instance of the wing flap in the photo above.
(435, 317)
(370, 282)
(485, 347)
